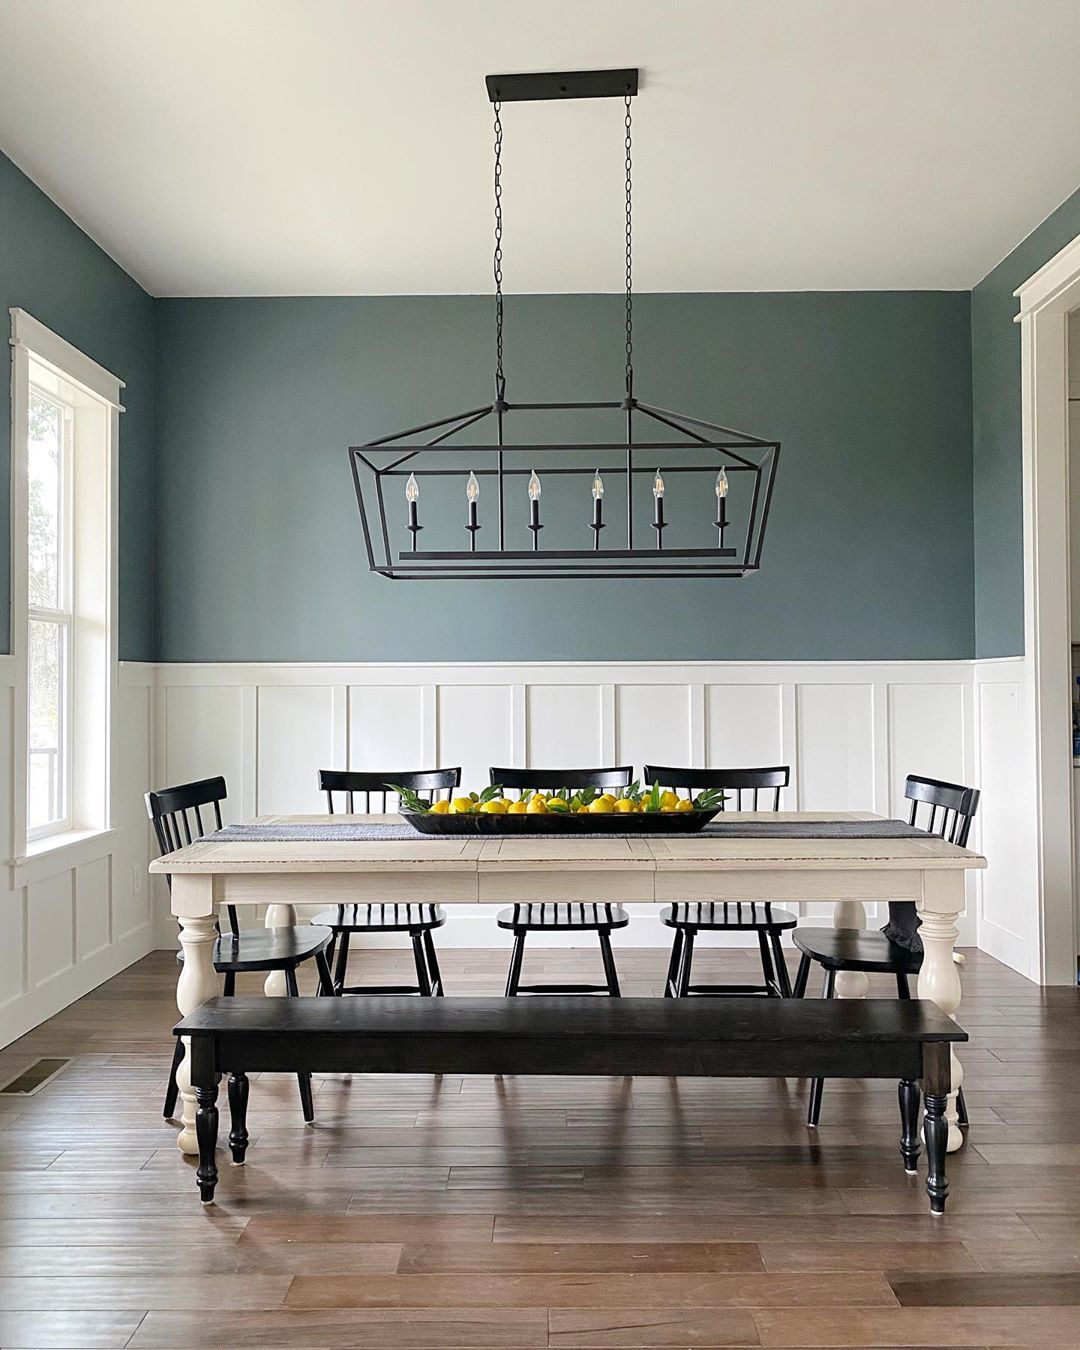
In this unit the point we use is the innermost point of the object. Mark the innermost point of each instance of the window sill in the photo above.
(60, 853)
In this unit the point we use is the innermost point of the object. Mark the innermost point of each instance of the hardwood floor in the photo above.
(483, 1212)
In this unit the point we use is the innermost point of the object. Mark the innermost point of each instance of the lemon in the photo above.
(462, 806)
(516, 809)
(669, 801)
(440, 808)
(684, 805)
(624, 806)
(537, 807)
(557, 804)
(498, 806)
(606, 797)
(583, 810)
(603, 805)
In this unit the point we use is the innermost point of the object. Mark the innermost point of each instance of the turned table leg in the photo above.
(278, 916)
(192, 903)
(941, 905)
(850, 983)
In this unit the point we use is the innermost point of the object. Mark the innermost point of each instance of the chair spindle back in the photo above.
(177, 816)
(545, 780)
(952, 807)
(762, 787)
(356, 789)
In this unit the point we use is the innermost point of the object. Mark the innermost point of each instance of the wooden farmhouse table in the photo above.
(656, 870)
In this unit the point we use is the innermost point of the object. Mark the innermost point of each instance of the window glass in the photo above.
(45, 724)
(45, 503)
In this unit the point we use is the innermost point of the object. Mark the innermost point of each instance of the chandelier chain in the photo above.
(629, 259)
(500, 379)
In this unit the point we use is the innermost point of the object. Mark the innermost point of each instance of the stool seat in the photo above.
(728, 915)
(856, 949)
(382, 918)
(554, 918)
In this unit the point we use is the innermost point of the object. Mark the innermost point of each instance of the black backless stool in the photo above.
(550, 917)
(897, 949)
(356, 793)
(177, 818)
(749, 790)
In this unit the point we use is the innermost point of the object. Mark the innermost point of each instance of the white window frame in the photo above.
(42, 357)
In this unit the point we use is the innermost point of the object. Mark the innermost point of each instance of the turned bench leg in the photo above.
(238, 1102)
(206, 1128)
(937, 1084)
(909, 1124)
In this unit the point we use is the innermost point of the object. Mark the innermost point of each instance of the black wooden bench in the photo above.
(908, 1040)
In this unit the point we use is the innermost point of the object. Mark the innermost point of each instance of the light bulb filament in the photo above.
(534, 487)
(472, 487)
(597, 486)
(722, 484)
(412, 489)
(658, 485)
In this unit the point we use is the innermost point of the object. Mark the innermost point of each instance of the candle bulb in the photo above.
(412, 496)
(721, 503)
(658, 506)
(597, 508)
(472, 493)
(534, 509)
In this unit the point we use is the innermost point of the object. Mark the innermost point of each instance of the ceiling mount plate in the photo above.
(562, 84)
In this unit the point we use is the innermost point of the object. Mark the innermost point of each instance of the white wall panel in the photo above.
(386, 727)
(926, 736)
(475, 730)
(203, 726)
(565, 725)
(50, 929)
(1005, 911)
(836, 747)
(744, 725)
(296, 738)
(653, 724)
(91, 908)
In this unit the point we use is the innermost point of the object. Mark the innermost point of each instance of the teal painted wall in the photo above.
(50, 268)
(998, 502)
(869, 553)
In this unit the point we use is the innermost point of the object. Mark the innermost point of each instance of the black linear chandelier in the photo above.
(721, 480)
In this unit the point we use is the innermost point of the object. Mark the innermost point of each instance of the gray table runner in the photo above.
(719, 829)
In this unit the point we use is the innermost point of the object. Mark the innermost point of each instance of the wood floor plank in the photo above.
(637, 1257)
(132, 1292)
(352, 1329)
(586, 1328)
(887, 1256)
(860, 1328)
(997, 1290)
(44, 1330)
(582, 1288)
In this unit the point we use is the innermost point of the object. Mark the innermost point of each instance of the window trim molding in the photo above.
(31, 339)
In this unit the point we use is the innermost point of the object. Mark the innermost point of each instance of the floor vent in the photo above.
(34, 1078)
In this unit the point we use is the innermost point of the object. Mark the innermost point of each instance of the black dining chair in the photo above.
(176, 814)
(745, 790)
(550, 917)
(364, 792)
(897, 948)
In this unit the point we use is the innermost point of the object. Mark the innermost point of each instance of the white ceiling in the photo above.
(282, 147)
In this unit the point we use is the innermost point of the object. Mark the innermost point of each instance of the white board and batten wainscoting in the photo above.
(850, 731)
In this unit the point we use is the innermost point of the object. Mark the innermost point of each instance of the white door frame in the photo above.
(1045, 301)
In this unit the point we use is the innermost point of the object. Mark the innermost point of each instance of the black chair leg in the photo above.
(326, 979)
(685, 963)
(817, 1085)
(423, 983)
(172, 1092)
(610, 973)
(801, 977)
(779, 961)
(903, 989)
(303, 1079)
(229, 988)
(961, 1108)
(433, 964)
(342, 962)
(514, 978)
(673, 965)
(772, 989)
